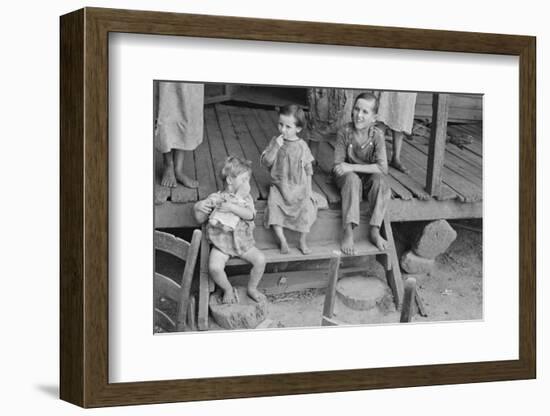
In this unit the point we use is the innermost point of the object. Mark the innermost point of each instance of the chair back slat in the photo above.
(171, 244)
(164, 286)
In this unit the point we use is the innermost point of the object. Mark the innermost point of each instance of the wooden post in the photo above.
(408, 300)
(438, 136)
(334, 266)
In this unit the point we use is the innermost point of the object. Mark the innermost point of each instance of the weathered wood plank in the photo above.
(232, 143)
(398, 189)
(464, 190)
(205, 168)
(187, 277)
(204, 285)
(320, 250)
(265, 123)
(250, 150)
(171, 244)
(393, 273)
(330, 297)
(216, 143)
(407, 309)
(438, 136)
(166, 287)
(409, 182)
(475, 147)
(416, 210)
(457, 165)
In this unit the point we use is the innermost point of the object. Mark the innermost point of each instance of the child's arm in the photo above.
(244, 213)
(203, 209)
(270, 153)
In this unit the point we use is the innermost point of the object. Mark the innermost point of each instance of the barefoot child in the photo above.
(360, 165)
(230, 214)
(290, 203)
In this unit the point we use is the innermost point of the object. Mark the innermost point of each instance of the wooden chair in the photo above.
(166, 288)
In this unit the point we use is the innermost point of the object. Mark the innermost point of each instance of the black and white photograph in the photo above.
(295, 207)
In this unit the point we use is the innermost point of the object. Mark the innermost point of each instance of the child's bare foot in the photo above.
(347, 241)
(229, 296)
(304, 248)
(255, 294)
(186, 180)
(169, 177)
(376, 238)
(399, 166)
(284, 247)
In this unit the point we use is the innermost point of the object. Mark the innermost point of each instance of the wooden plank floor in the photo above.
(245, 131)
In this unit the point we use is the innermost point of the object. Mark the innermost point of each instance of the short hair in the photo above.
(295, 111)
(233, 166)
(368, 96)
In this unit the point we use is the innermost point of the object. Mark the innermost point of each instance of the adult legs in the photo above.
(396, 153)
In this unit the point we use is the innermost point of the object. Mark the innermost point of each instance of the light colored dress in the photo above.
(396, 110)
(290, 203)
(180, 116)
(233, 242)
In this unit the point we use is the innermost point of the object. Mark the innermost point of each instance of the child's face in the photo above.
(287, 127)
(363, 114)
(241, 183)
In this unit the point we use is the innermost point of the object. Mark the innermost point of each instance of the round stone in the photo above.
(362, 293)
(245, 314)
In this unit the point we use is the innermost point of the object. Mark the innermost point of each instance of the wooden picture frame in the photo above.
(84, 207)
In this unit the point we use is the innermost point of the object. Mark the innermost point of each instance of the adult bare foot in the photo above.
(347, 241)
(376, 238)
(255, 294)
(399, 166)
(168, 177)
(186, 180)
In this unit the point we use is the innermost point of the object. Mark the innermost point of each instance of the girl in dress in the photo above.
(290, 203)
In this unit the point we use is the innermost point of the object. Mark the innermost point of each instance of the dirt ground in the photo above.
(452, 292)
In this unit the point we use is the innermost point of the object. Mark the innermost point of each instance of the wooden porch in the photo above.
(450, 190)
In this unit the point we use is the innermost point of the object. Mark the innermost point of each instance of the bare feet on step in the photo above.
(399, 166)
(255, 294)
(168, 177)
(347, 241)
(304, 248)
(186, 180)
(376, 238)
(229, 296)
(284, 247)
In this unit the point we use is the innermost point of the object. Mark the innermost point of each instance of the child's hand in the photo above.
(205, 207)
(279, 140)
(226, 207)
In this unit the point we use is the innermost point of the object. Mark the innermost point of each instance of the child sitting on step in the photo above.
(230, 214)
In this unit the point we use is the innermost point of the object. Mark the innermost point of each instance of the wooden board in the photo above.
(465, 190)
(250, 150)
(232, 143)
(218, 151)
(205, 168)
(319, 251)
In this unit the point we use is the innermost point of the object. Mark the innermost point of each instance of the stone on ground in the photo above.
(362, 293)
(435, 239)
(413, 264)
(246, 314)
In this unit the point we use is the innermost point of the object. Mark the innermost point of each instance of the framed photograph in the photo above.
(255, 207)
